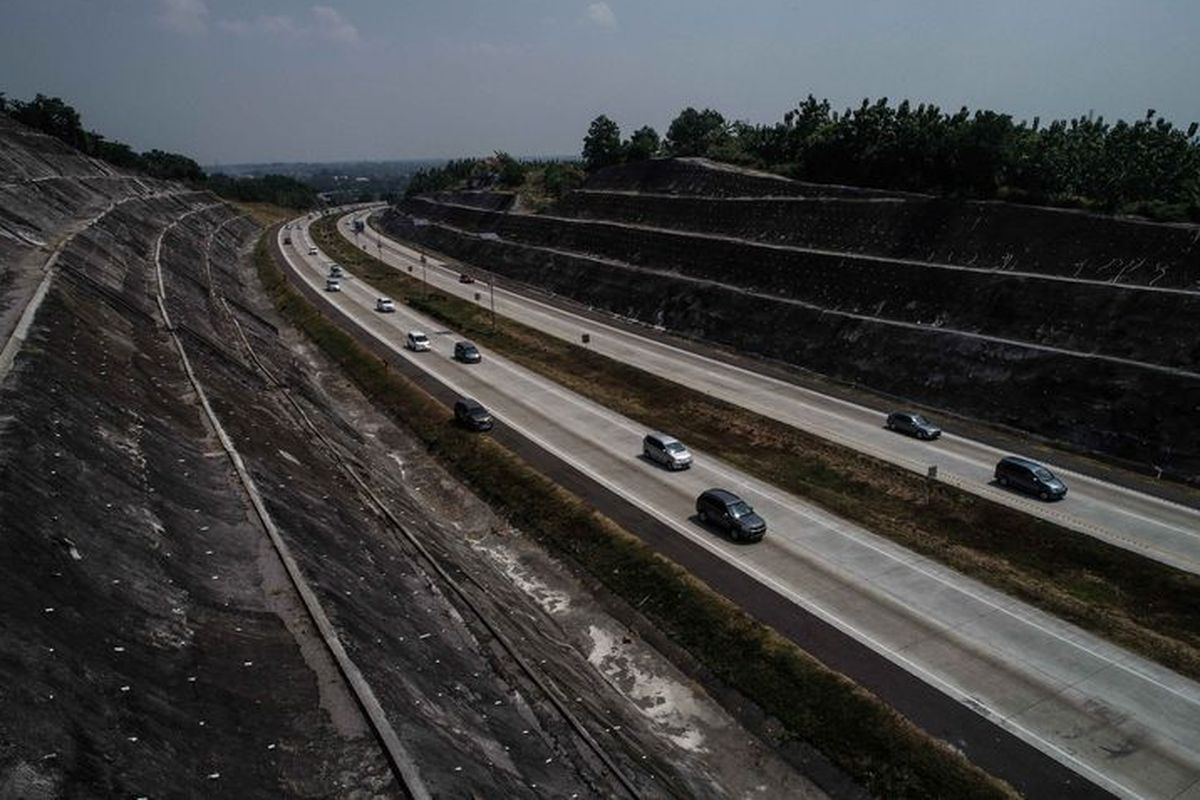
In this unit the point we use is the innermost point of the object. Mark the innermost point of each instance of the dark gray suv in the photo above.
(467, 353)
(471, 414)
(1028, 476)
(727, 511)
(912, 424)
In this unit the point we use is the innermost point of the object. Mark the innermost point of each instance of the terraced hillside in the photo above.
(1074, 327)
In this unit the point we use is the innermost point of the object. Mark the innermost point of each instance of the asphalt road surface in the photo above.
(1156, 528)
(1124, 723)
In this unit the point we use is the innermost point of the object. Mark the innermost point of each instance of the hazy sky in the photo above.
(239, 80)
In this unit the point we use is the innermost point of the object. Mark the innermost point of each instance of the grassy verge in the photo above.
(852, 727)
(1145, 606)
(266, 214)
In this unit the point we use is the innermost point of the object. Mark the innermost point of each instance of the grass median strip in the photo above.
(1150, 608)
(854, 729)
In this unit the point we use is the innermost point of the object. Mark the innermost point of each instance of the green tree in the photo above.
(511, 171)
(171, 166)
(643, 144)
(51, 116)
(694, 133)
(560, 178)
(602, 145)
(116, 153)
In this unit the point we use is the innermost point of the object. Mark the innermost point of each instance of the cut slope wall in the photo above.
(699, 176)
(1155, 327)
(1122, 410)
(973, 234)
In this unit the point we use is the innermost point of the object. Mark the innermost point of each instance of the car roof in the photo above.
(1022, 460)
(464, 343)
(415, 334)
(724, 495)
(470, 402)
(662, 437)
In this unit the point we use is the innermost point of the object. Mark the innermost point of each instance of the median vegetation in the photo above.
(855, 730)
(1138, 603)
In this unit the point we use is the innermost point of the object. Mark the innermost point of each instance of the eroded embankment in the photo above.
(151, 642)
(1072, 360)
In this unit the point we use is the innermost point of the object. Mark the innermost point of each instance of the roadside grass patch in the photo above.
(1143, 605)
(854, 729)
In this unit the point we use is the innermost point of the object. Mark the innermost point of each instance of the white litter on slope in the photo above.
(670, 705)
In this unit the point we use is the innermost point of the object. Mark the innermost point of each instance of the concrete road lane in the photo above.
(1119, 720)
(1157, 528)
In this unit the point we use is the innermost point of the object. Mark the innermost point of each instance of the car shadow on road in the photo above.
(719, 531)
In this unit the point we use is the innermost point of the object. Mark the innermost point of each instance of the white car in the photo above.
(385, 305)
(333, 285)
(312, 251)
(416, 341)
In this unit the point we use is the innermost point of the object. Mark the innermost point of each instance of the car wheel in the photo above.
(1044, 495)
(1003, 481)
(891, 426)
(703, 516)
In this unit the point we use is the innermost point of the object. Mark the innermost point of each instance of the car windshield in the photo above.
(420, 337)
(1043, 474)
(918, 419)
(675, 447)
(468, 348)
(740, 509)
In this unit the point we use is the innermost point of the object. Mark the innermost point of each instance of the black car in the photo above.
(471, 414)
(467, 353)
(913, 425)
(727, 511)
(1030, 477)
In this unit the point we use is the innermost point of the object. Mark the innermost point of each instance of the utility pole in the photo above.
(492, 292)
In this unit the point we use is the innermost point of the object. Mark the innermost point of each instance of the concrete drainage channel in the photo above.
(17, 337)
(401, 761)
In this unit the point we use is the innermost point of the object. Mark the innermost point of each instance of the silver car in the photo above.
(666, 450)
(416, 341)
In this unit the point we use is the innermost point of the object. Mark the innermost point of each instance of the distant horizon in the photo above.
(227, 82)
(351, 161)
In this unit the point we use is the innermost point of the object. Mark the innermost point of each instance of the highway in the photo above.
(1124, 723)
(1156, 528)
